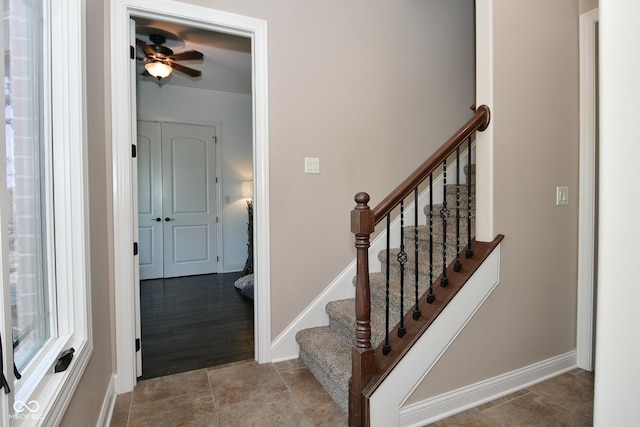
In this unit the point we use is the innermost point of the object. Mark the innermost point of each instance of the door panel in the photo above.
(149, 143)
(188, 165)
(190, 244)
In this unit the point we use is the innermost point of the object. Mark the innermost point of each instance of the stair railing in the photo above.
(363, 222)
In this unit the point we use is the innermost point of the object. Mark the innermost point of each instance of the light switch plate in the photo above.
(311, 165)
(562, 196)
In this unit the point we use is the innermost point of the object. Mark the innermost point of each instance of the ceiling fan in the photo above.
(161, 61)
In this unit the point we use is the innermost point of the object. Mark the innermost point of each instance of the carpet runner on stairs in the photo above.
(326, 350)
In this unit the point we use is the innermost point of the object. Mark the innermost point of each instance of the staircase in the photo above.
(326, 350)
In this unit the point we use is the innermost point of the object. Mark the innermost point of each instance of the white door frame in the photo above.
(587, 204)
(123, 120)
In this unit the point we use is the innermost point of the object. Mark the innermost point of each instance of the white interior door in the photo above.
(176, 200)
(150, 219)
(189, 185)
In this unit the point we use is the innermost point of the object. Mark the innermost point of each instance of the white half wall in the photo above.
(391, 395)
(231, 112)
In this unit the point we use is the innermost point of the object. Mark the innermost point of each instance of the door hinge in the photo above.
(217, 219)
(218, 259)
(135, 248)
(215, 139)
(216, 179)
(132, 52)
(134, 150)
(137, 345)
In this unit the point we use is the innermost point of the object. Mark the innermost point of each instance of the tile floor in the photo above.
(286, 394)
(237, 394)
(565, 400)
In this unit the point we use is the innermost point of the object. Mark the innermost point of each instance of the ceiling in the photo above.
(226, 65)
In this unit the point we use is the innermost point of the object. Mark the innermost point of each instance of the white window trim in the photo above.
(68, 129)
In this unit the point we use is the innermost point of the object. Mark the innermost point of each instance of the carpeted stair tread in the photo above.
(450, 191)
(423, 258)
(453, 214)
(342, 318)
(326, 350)
(377, 284)
(423, 233)
(327, 354)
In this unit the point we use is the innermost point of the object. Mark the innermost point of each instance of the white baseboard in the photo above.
(445, 405)
(108, 403)
(285, 347)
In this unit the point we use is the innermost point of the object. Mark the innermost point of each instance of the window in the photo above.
(43, 207)
(27, 170)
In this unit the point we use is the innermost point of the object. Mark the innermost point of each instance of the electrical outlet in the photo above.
(562, 196)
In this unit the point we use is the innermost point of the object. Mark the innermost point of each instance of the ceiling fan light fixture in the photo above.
(158, 69)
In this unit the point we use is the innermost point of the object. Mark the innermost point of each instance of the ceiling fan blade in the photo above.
(148, 50)
(185, 56)
(189, 71)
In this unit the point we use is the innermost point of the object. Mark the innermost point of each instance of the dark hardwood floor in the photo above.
(193, 322)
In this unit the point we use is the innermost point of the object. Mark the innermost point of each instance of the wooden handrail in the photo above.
(363, 221)
(478, 122)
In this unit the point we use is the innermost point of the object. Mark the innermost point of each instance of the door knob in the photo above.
(156, 219)
(169, 219)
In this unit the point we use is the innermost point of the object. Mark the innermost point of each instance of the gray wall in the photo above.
(88, 399)
(587, 5)
(362, 85)
(531, 316)
(370, 87)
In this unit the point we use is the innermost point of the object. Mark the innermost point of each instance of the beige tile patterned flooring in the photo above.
(237, 394)
(287, 394)
(565, 400)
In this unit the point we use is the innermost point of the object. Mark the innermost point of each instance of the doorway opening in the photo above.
(124, 117)
(192, 215)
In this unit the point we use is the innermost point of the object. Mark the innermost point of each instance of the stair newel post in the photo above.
(469, 252)
(363, 360)
(457, 266)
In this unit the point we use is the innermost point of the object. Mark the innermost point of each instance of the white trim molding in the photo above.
(587, 201)
(484, 140)
(123, 116)
(108, 404)
(447, 404)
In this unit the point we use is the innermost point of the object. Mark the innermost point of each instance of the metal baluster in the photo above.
(416, 309)
(402, 259)
(387, 346)
(444, 214)
(469, 252)
(431, 297)
(457, 266)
